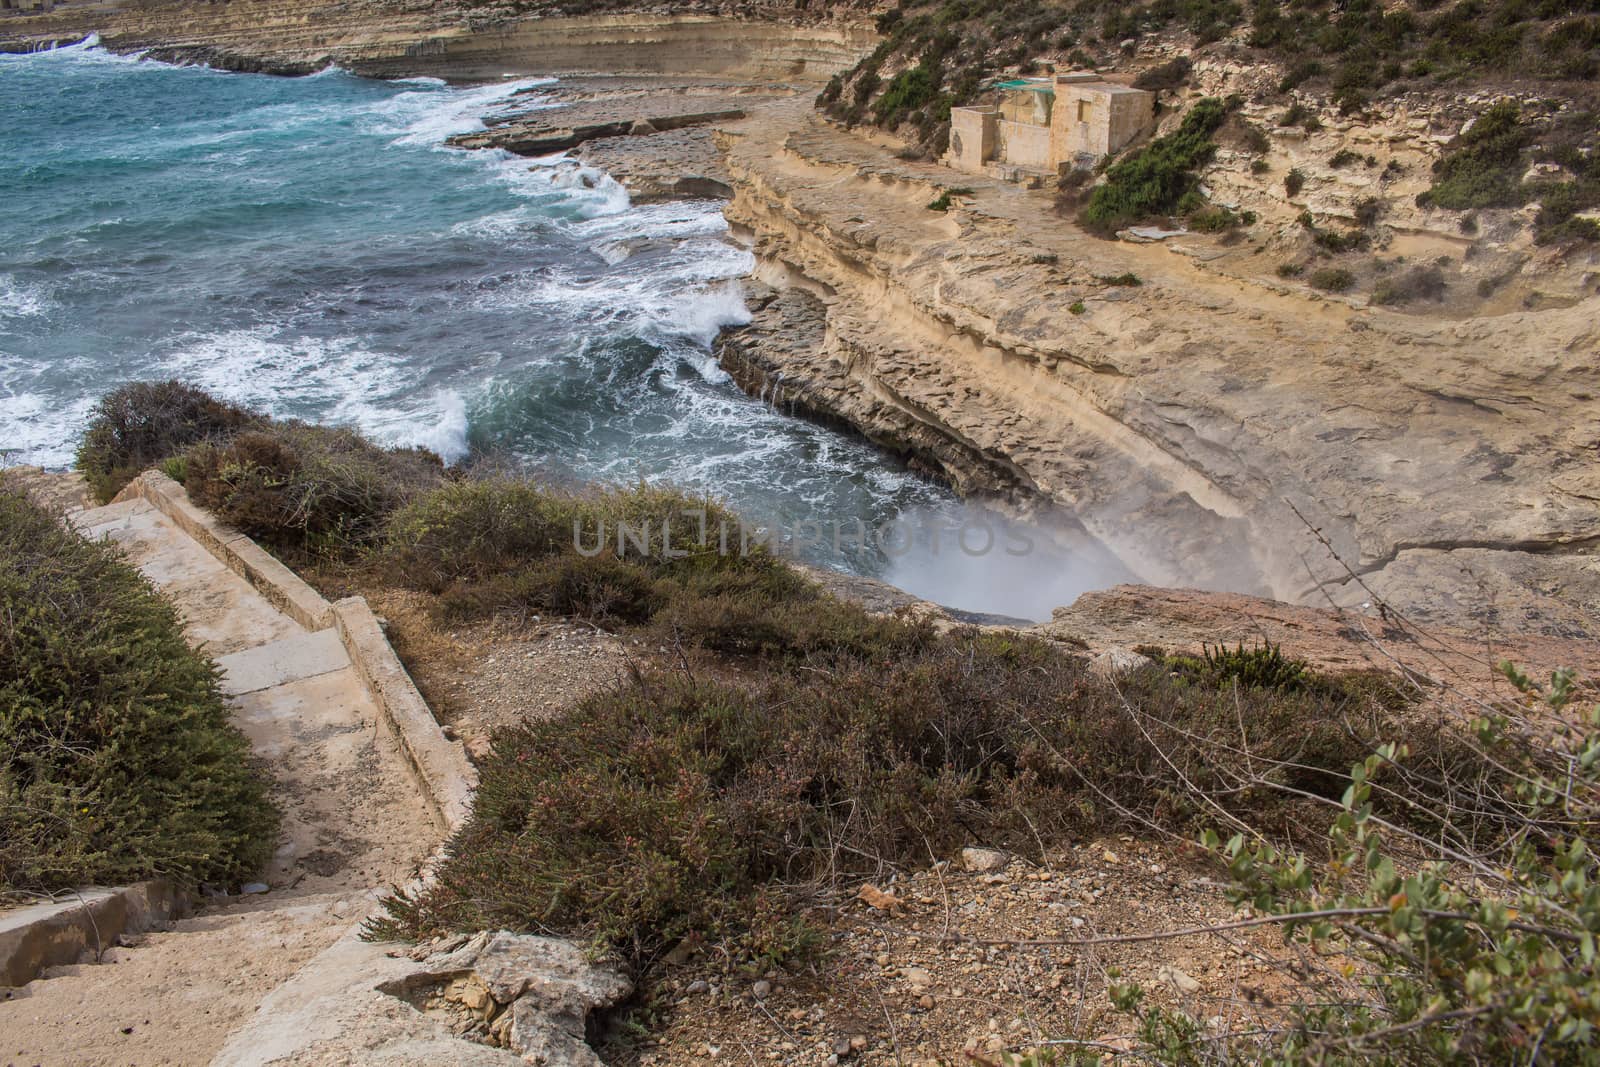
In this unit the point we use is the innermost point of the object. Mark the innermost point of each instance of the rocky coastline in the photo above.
(1216, 427)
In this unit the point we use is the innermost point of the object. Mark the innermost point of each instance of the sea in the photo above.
(311, 247)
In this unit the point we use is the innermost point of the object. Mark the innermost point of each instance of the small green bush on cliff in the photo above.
(1483, 168)
(117, 758)
(1160, 178)
(139, 425)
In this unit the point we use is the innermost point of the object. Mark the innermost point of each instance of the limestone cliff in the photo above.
(397, 38)
(1453, 464)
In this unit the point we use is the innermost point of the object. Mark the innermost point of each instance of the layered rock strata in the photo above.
(1213, 432)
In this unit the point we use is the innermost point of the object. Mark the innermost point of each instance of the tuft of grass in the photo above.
(120, 761)
(1126, 279)
(1293, 182)
(946, 197)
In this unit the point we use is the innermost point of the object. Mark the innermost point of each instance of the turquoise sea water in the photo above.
(310, 247)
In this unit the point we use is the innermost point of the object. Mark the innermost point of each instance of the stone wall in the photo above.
(1024, 144)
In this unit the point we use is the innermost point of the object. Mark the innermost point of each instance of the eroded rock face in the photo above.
(1214, 431)
(496, 998)
(531, 995)
(399, 38)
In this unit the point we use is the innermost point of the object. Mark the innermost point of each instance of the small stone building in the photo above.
(1040, 125)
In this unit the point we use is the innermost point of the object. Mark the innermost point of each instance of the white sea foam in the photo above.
(430, 115)
(36, 427)
(334, 380)
(19, 300)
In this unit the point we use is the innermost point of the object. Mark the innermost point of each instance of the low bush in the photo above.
(1337, 243)
(319, 490)
(117, 758)
(1127, 279)
(1293, 182)
(1483, 167)
(136, 426)
(1172, 74)
(675, 807)
(1332, 279)
(1157, 179)
(1214, 220)
(1417, 283)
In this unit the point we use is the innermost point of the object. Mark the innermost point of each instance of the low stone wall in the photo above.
(282, 587)
(441, 768)
(446, 775)
(80, 927)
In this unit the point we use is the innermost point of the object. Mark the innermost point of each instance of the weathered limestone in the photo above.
(391, 38)
(1190, 422)
(526, 999)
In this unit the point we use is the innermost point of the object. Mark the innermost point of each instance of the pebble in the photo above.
(697, 987)
(252, 888)
(762, 989)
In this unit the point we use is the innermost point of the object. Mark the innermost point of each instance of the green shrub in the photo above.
(1332, 279)
(1213, 220)
(314, 489)
(1291, 270)
(1260, 166)
(1293, 182)
(1337, 243)
(1483, 167)
(910, 90)
(1476, 945)
(1127, 279)
(1077, 307)
(1157, 179)
(1343, 158)
(1302, 116)
(471, 530)
(117, 758)
(137, 426)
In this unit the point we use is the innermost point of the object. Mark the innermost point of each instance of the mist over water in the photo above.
(308, 246)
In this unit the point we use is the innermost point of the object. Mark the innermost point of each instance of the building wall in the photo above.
(1092, 121)
(974, 132)
(1024, 144)
(1131, 113)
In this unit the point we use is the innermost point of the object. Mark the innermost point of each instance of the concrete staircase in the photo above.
(366, 782)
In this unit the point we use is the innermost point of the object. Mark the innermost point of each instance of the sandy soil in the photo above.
(169, 997)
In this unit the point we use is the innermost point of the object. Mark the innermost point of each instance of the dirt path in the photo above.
(353, 824)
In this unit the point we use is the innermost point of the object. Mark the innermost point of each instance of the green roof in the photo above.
(1025, 84)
